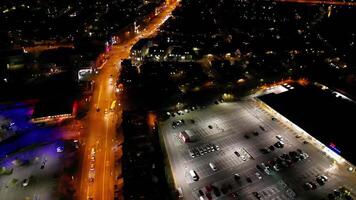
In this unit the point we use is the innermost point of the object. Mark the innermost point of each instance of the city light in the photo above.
(160, 99)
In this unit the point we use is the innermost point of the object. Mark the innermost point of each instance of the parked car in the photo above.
(237, 177)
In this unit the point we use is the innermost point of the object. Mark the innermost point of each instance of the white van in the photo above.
(194, 175)
(213, 167)
(279, 137)
(180, 193)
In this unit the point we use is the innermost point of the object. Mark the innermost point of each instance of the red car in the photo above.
(209, 188)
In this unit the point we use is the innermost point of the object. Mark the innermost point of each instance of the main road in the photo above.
(101, 123)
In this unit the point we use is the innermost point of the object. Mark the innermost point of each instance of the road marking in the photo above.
(87, 193)
(105, 148)
(101, 86)
(83, 171)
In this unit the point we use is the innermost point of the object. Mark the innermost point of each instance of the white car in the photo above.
(25, 182)
(279, 137)
(194, 175)
(213, 167)
(258, 175)
(275, 167)
(180, 193)
(305, 155)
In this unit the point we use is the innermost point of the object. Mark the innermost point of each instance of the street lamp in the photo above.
(351, 169)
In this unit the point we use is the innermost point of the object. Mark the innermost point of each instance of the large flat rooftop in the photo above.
(319, 112)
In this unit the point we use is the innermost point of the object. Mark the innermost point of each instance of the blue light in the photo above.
(332, 146)
(28, 133)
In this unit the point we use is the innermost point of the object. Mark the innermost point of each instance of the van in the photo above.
(180, 193)
(194, 175)
(213, 167)
(279, 137)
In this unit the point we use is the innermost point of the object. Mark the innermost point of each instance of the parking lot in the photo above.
(32, 174)
(235, 138)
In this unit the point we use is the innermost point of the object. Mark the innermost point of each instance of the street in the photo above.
(101, 122)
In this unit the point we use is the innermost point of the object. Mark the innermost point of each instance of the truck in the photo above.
(113, 105)
(186, 136)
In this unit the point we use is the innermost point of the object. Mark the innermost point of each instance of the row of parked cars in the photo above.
(181, 122)
(243, 155)
(226, 188)
(217, 191)
(320, 179)
(205, 149)
(278, 144)
(182, 112)
(283, 161)
(340, 194)
(178, 123)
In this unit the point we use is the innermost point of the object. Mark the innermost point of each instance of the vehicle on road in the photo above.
(91, 166)
(91, 175)
(112, 106)
(92, 151)
(180, 193)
